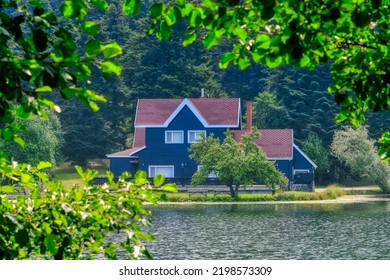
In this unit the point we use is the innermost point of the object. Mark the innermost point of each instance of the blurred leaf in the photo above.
(100, 4)
(140, 174)
(51, 244)
(44, 89)
(170, 187)
(189, 38)
(6, 189)
(19, 141)
(43, 165)
(93, 47)
(158, 180)
(131, 7)
(90, 27)
(156, 10)
(110, 67)
(164, 31)
(111, 50)
(67, 9)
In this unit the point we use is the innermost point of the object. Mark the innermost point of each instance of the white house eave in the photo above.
(305, 156)
(288, 158)
(189, 104)
(206, 126)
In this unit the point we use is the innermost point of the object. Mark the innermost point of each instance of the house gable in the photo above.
(302, 161)
(191, 107)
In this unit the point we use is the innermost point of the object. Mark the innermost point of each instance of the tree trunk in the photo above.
(232, 193)
(236, 192)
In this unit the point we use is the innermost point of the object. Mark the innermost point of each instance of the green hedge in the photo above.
(331, 192)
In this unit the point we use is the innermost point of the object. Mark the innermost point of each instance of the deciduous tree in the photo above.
(357, 151)
(235, 163)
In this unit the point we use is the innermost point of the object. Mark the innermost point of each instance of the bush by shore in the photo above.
(331, 192)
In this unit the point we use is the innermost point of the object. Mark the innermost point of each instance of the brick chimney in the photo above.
(248, 115)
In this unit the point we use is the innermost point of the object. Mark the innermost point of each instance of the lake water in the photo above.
(272, 231)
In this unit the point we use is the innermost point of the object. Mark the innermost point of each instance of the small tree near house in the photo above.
(234, 163)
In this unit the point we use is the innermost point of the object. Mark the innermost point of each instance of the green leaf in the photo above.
(152, 27)
(90, 27)
(274, 62)
(68, 9)
(112, 50)
(305, 60)
(46, 228)
(144, 236)
(21, 113)
(6, 189)
(189, 38)
(156, 10)
(263, 41)
(165, 31)
(195, 18)
(44, 89)
(226, 59)
(210, 40)
(51, 244)
(140, 174)
(171, 187)
(100, 4)
(19, 141)
(131, 7)
(158, 180)
(110, 250)
(110, 67)
(25, 178)
(343, 116)
(243, 62)
(44, 164)
(93, 47)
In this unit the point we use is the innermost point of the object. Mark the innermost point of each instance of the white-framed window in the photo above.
(166, 170)
(195, 135)
(296, 171)
(211, 174)
(174, 137)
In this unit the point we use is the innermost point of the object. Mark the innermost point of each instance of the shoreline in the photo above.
(345, 199)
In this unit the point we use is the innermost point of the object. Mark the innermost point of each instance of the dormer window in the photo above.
(174, 137)
(195, 135)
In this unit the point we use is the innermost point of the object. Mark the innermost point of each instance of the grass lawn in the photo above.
(68, 175)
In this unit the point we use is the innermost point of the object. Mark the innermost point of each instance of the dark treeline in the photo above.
(286, 97)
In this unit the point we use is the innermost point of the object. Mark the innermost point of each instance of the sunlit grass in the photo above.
(331, 192)
(69, 177)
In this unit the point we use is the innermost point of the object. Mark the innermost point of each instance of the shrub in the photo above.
(333, 191)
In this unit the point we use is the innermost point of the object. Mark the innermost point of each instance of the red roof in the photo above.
(276, 143)
(139, 137)
(213, 111)
(126, 153)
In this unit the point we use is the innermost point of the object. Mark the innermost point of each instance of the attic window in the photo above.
(174, 137)
(195, 135)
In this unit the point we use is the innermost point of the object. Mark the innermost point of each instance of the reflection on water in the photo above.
(272, 231)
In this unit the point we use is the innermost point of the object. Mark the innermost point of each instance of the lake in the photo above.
(272, 231)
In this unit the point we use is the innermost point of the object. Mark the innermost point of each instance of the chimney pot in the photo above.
(248, 115)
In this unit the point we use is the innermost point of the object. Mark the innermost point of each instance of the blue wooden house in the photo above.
(165, 129)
